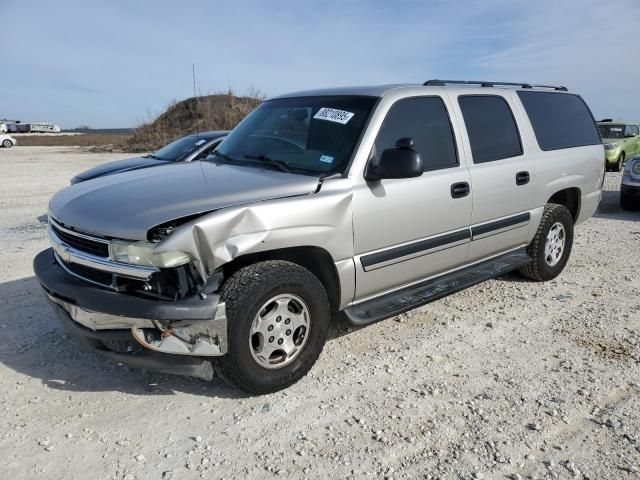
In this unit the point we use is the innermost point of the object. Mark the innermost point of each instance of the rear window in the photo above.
(492, 130)
(560, 120)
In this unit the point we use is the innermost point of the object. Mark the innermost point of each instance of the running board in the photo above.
(408, 298)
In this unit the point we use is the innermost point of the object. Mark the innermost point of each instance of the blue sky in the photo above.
(120, 63)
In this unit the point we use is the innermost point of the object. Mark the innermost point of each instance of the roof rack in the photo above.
(442, 83)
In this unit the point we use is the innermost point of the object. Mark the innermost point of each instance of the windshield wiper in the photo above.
(279, 164)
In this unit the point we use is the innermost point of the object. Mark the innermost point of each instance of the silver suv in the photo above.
(359, 203)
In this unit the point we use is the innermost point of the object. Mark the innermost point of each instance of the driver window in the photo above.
(426, 121)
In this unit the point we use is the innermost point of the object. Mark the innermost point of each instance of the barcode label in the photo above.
(333, 115)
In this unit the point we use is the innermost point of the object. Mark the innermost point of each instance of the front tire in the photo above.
(551, 246)
(7, 144)
(620, 162)
(278, 317)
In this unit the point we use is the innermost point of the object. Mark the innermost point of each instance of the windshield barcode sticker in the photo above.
(333, 115)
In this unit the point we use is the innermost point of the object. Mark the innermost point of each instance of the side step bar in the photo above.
(425, 292)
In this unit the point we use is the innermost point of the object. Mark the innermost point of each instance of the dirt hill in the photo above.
(211, 112)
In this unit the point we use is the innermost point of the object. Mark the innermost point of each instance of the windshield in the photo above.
(611, 131)
(307, 135)
(180, 148)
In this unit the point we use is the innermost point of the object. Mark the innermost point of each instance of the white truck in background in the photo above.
(35, 127)
(43, 127)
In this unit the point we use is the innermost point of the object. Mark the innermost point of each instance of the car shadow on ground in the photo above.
(35, 344)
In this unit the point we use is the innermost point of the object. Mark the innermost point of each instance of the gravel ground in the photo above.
(509, 379)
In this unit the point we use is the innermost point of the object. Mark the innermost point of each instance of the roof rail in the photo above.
(482, 83)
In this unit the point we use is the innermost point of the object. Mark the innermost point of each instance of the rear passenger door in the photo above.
(501, 175)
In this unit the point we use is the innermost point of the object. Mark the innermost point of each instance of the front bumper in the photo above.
(134, 330)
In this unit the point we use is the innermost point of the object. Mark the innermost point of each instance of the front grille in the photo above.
(83, 244)
(88, 273)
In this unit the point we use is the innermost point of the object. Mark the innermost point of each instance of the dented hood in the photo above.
(126, 205)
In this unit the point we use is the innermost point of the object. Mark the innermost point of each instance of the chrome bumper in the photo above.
(211, 335)
(69, 254)
(99, 321)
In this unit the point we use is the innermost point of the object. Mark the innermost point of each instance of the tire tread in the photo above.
(242, 285)
(532, 270)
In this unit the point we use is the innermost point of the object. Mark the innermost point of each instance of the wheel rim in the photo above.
(554, 246)
(279, 331)
(7, 143)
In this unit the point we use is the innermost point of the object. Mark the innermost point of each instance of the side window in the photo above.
(426, 121)
(559, 120)
(492, 130)
(632, 130)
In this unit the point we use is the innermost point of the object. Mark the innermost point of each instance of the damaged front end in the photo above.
(154, 302)
(132, 304)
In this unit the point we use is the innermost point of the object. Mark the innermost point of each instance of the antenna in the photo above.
(195, 96)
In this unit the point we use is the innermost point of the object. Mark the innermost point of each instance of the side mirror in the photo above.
(399, 162)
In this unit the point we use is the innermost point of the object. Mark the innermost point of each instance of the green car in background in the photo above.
(621, 141)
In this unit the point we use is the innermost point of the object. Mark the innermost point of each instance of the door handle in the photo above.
(522, 178)
(459, 190)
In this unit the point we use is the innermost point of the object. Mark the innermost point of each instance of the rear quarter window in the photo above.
(560, 120)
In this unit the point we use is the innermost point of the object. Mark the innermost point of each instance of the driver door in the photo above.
(409, 229)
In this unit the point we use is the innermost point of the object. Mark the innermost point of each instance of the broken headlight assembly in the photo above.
(144, 253)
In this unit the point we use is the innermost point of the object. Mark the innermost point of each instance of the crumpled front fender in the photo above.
(322, 219)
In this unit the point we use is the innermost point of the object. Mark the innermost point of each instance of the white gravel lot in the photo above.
(509, 379)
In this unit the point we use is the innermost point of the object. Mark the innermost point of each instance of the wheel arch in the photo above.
(570, 198)
(315, 259)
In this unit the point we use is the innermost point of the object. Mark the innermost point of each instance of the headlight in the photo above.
(142, 253)
(610, 146)
(635, 167)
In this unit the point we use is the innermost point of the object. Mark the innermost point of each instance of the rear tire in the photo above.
(7, 144)
(629, 203)
(248, 295)
(551, 246)
(620, 162)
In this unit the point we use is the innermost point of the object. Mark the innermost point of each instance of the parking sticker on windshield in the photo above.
(326, 158)
(333, 115)
(200, 142)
